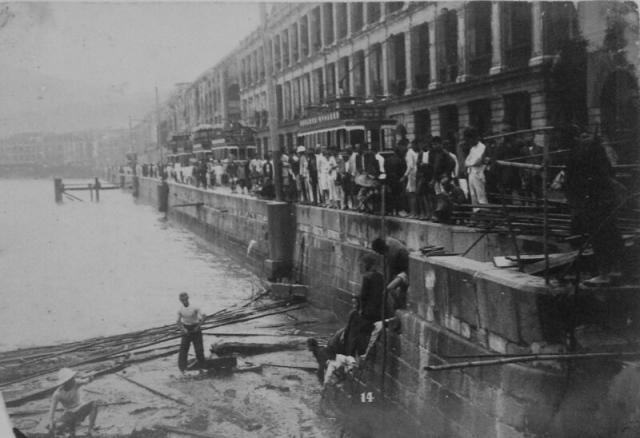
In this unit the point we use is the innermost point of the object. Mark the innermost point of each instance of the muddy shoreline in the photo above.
(273, 391)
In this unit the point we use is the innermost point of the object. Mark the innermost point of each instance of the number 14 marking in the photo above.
(366, 397)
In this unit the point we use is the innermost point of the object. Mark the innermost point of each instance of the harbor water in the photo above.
(83, 269)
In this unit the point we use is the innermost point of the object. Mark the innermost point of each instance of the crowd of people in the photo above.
(422, 179)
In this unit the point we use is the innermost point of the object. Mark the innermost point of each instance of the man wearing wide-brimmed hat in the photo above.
(75, 411)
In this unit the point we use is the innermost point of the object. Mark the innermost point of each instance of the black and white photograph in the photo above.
(230, 219)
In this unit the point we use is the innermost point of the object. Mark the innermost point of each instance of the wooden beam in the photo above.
(153, 391)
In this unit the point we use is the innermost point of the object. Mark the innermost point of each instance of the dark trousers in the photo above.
(185, 343)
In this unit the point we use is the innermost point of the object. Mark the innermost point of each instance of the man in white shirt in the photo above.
(190, 318)
(475, 168)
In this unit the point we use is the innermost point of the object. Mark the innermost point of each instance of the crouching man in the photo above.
(75, 411)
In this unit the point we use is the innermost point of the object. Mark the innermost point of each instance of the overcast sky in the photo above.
(54, 55)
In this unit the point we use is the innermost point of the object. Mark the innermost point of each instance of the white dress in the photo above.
(323, 172)
(412, 166)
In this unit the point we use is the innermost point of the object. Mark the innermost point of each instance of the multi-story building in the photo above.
(352, 72)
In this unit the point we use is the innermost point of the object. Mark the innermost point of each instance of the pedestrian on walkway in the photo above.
(190, 318)
(475, 168)
(409, 177)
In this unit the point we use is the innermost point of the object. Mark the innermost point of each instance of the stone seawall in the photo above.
(460, 308)
(328, 243)
(228, 221)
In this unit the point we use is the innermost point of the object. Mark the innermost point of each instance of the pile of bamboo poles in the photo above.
(111, 352)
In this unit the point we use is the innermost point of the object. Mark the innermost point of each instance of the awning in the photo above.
(334, 128)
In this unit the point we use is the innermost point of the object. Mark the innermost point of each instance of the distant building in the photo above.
(349, 72)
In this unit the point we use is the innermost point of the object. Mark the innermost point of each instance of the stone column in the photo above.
(335, 22)
(538, 22)
(385, 70)
(295, 97)
(352, 86)
(349, 12)
(383, 11)
(496, 38)
(254, 67)
(336, 77)
(322, 29)
(309, 36)
(497, 113)
(282, 50)
(463, 63)
(325, 78)
(434, 115)
(365, 15)
(223, 97)
(273, 55)
(300, 57)
(408, 60)
(367, 72)
(463, 118)
(538, 114)
(433, 57)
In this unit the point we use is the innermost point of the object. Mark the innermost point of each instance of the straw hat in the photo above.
(65, 374)
(301, 149)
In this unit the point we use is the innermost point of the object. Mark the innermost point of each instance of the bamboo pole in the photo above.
(154, 391)
(528, 358)
(168, 335)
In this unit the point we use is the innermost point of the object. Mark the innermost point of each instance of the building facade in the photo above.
(433, 67)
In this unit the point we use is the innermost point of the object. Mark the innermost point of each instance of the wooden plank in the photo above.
(555, 260)
(504, 262)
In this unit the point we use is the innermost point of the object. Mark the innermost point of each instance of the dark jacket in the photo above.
(371, 295)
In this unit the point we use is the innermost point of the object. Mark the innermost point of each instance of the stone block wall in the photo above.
(463, 308)
(330, 243)
(228, 221)
(457, 307)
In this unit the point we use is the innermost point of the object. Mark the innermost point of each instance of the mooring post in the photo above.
(96, 186)
(90, 191)
(58, 188)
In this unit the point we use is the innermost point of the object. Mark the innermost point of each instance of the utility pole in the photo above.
(272, 104)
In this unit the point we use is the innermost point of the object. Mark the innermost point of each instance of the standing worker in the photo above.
(68, 395)
(592, 196)
(475, 168)
(396, 254)
(190, 318)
